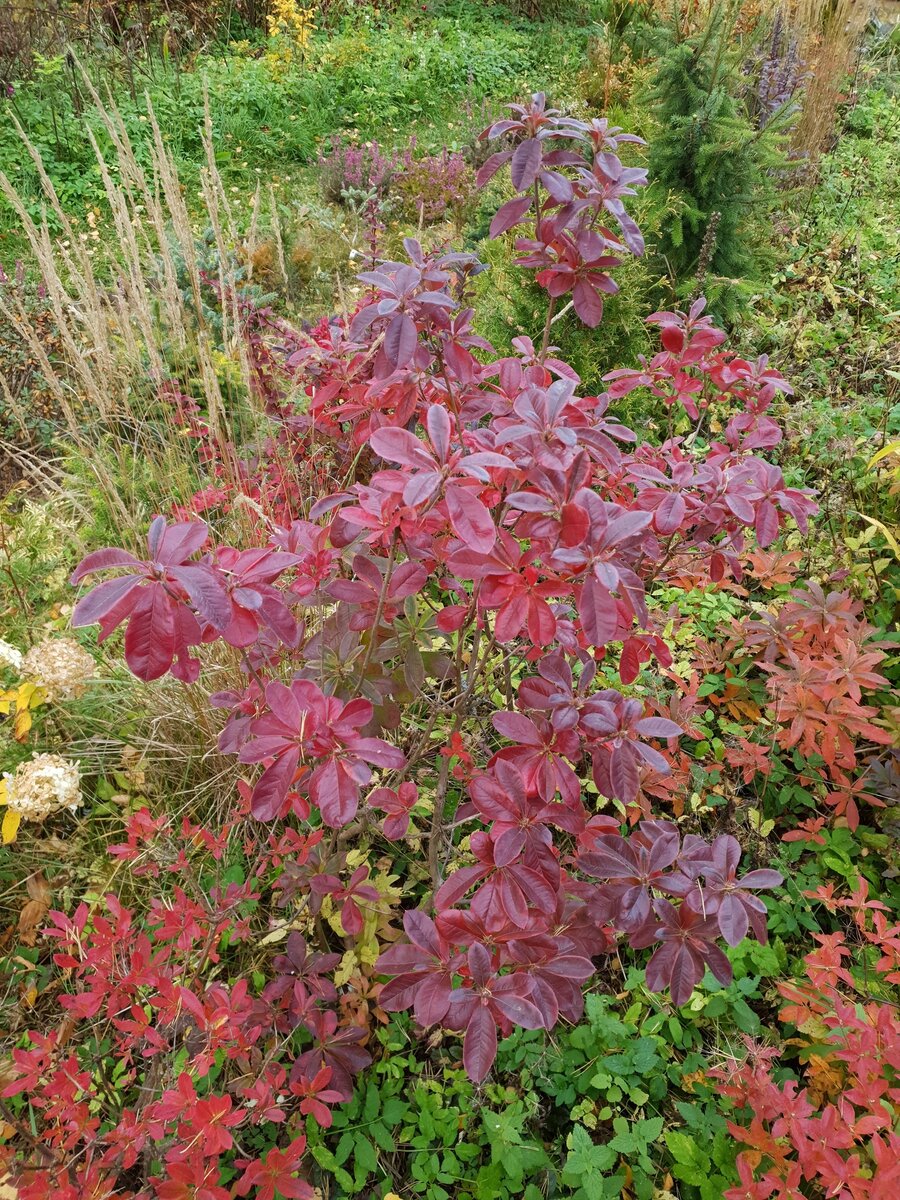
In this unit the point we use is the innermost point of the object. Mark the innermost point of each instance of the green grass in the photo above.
(410, 73)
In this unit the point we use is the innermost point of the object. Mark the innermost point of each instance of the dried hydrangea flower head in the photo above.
(37, 789)
(59, 666)
(10, 656)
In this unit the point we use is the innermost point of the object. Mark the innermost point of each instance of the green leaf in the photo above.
(691, 1163)
(344, 1147)
(586, 1162)
(372, 1103)
(380, 1134)
(365, 1159)
(394, 1110)
(328, 1162)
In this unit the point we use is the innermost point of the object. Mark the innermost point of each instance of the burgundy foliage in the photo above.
(490, 508)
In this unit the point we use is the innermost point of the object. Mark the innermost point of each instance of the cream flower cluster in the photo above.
(43, 786)
(60, 666)
(10, 656)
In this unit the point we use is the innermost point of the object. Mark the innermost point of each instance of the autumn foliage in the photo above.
(429, 513)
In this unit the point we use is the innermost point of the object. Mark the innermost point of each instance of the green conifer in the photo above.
(713, 171)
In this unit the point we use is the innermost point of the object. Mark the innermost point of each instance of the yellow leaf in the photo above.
(744, 708)
(885, 532)
(826, 1079)
(22, 724)
(884, 452)
(349, 964)
(24, 694)
(11, 822)
(276, 935)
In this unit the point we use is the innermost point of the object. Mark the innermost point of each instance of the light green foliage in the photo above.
(830, 316)
(374, 77)
(587, 1164)
(699, 1163)
(422, 1127)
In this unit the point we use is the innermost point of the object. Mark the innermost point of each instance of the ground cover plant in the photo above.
(428, 769)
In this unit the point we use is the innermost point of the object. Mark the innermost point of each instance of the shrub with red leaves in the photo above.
(490, 517)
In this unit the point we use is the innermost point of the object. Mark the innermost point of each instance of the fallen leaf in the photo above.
(30, 919)
(38, 888)
(34, 911)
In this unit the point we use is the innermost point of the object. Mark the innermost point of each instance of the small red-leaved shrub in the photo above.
(474, 517)
(835, 1128)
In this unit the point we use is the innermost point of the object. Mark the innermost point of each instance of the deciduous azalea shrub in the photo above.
(440, 643)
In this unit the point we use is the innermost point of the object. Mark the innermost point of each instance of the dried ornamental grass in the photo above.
(37, 789)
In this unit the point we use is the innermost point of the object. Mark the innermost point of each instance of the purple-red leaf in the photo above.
(526, 163)
(480, 1045)
(471, 520)
(103, 560)
(400, 339)
(509, 214)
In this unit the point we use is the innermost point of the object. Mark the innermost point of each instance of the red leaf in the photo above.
(480, 1046)
(150, 637)
(176, 543)
(471, 520)
(733, 920)
(541, 621)
(102, 560)
(400, 340)
(207, 594)
(335, 793)
(489, 169)
(516, 727)
(587, 303)
(109, 603)
(685, 973)
(511, 617)
(658, 727)
(630, 660)
(273, 785)
(509, 214)
(526, 162)
(451, 618)
(623, 774)
(400, 446)
(437, 422)
(669, 514)
(598, 612)
(575, 524)
(766, 523)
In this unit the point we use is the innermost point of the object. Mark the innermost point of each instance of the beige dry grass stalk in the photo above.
(828, 33)
(128, 312)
